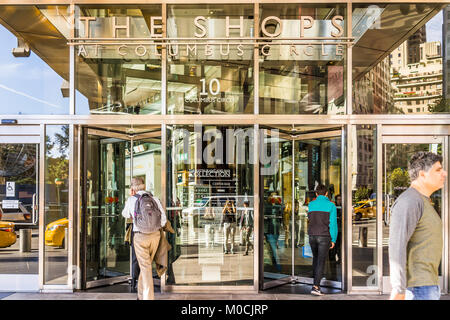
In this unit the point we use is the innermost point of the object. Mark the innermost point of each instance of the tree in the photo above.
(362, 194)
(398, 179)
(440, 105)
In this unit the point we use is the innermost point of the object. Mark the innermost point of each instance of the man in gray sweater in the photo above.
(415, 235)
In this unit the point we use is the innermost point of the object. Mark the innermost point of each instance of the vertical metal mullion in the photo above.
(256, 211)
(349, 60)
(72, 62)
(78, 230)
(71, 205)
(41, 206)
(445, 205)
(293, 209)
(256, 61)
(164, 186)
(379, 199)
(164, 62)
(343, 222)
(348, 207)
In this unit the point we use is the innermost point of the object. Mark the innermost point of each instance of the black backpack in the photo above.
(147, 216)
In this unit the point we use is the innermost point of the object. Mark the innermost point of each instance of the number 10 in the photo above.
(213, 92)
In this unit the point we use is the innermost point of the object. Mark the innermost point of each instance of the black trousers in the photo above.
(135, 270)
(319, 247)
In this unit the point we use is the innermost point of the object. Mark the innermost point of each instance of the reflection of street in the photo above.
(370, 224)
(12, 261)
(214, 265)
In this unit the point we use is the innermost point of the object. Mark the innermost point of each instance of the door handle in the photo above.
(33, 212)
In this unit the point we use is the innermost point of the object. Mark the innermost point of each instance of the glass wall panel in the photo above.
(302, 76)
(34, 59)
(19, 188)
(209, 75)
(394, 70)
(107, 254)
(124, 76)
(210, 204)
(396, 180)
(56, 216)
(363, 188)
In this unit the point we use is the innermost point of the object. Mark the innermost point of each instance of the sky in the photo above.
(434, 28)
(27, 85)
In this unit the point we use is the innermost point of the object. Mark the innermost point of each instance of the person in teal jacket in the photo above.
(322, 231)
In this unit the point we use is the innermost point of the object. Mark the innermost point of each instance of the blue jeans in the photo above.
(423, 293)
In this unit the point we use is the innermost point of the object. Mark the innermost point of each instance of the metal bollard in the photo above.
(25, 240)
(363, 237)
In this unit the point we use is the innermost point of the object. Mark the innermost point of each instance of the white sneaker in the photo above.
(316, 291)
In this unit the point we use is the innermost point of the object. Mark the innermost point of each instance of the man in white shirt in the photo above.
(145, 244)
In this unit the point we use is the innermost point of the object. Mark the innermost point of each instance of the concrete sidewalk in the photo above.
(184, 296)
(191, 296)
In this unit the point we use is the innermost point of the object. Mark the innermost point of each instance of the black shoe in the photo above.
(246, 254)
(133, 286)
(226, 252)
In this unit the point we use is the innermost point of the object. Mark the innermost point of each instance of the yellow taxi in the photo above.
(55, 233)
(364, 209)
(7, 235)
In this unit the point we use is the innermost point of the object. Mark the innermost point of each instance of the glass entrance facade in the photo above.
(232, 114)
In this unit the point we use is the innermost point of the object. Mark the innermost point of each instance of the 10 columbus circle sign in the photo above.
(215, 38)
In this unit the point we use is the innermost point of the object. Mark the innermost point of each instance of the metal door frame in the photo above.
(105, 134)
(391, 135)
(30, 135)
(293, 278)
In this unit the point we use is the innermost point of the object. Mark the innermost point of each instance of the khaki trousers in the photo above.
(145, 246)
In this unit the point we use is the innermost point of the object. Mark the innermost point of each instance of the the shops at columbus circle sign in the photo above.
(134, 37)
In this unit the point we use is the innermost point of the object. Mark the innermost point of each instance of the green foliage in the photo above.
(440, 105)
(362, 194)
(399, 178)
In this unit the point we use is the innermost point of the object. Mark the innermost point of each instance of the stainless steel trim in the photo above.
(164, 62)
(19, 130)
(349, 62)
(379, 220)
(215, 289)
(439, 120)
(445, 222)
(276, 283)
(412, 139)
(78, 212)
(164, 195)
(108, 134)
(72, 187)
(293, 210)
(103, 282)
(20, 139)
(409, 130)
(256, 204)
(312, 136)
(348, 206)
(42, 147)
(256, 60)
(323, 283)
